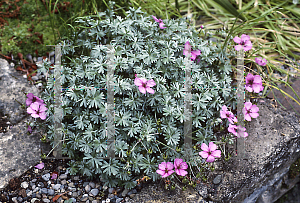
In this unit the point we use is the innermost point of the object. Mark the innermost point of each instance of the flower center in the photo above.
(144, 85)
(250, 82)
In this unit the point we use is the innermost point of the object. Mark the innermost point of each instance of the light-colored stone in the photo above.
(19, 151)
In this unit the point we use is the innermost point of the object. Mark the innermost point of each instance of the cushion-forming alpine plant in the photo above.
(165, 168)
(145, 85)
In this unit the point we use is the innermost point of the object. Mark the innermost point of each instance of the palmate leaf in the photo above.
(130, 185)
(110, 168)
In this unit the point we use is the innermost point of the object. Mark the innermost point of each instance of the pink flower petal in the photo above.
(155, 19)
(54, 176)
(204, 154)
(177, 162)
(151, 91)
(210, 159)
(204, 147)
(40, 166)
(167, 174)
(216, 153)
(30, 110)
(42, 115)
(248, 105)
(236, 39)
(160, 172)
(247, 117)
(34, 115)
(254, 108)
(257, 79)
(35, 106)
(212, 146)
(43, 108)
(170, 166)
(161, 26)
(187, 46)
(245, 37)
(256, 88)
(238, 47)
(151, 83)
(142, 89)
(181, 172)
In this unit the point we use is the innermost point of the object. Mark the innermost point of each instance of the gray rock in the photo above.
(84, 198)
(124, 193)
(56, 186)
(71, 184)
(74, 194)
(63, 176)
(87, 188)
(111, 190)
(217, 179)
(46, 177)
(24, 185)
(35, 78)
(14, 199)
(44, 191)
(270, 149)
(118, 200)
(92, 184)
(63, 182)
(27, 148)
(94, 192)
(50, 192)
(40, 184)
(46, 200)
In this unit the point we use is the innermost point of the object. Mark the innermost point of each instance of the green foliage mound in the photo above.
(141, 48)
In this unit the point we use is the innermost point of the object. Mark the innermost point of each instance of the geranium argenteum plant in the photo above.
(210, 152)
(228, 114)
(244, 43)
(261, 61)
(180, 167)
(144, 85)
(37, 110)
(188, 49)
(237, 130)
(250, 110)
(254, 83)
(165, 169)
(161, 24)
(31, 99)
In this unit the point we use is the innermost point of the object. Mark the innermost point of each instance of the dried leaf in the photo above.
(20, 56)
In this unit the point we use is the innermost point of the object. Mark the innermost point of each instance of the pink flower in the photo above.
(244, 43)
(228, 114)
(54, 176)
(210, 152)
(260, 61)
(237, 130)
(241, 132)
(165, 169)
(188, 49)
(161, 24)
(37, 110)
(201, 26)
(40, 166)
(250, 111)
(144, 85)
(254, 83)
(29, 129)
(31, 99)
(180, 167)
